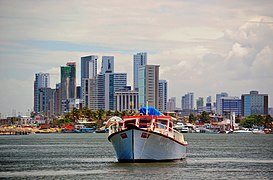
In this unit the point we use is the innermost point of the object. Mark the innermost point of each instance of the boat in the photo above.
(80, 128)
(146, 137)
(258, 131)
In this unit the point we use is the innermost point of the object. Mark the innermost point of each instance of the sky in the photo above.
(205, 47)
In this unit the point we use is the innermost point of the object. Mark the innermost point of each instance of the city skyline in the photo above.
(201, 47)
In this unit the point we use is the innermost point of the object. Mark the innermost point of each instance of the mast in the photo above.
(147, 104)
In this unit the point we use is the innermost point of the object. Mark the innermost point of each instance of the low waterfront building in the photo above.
(231, 104)
(254, 103)
(126, 100)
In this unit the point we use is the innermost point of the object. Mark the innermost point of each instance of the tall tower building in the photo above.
(171, 104)
(218, 102)
(68, 85)
(42, 80)
(163, 93)
(254, 103)
(107, 64)
(200, 104)
(148, 77)
(89, 68)
(113, 83)
(72, 88)
(187, 101)
(208, 104)
(140, 59)
(45, 95)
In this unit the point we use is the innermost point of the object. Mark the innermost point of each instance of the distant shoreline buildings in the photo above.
(108, 90)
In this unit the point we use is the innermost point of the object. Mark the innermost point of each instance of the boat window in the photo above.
(161, 123)
(144, 123)
(132, 121)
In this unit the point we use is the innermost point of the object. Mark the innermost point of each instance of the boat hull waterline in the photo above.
(138, 145)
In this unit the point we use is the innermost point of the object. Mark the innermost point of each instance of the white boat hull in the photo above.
(133, 145)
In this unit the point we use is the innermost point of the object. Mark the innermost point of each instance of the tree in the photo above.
(191, 118)
(204, 117)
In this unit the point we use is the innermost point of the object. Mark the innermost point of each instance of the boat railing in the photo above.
(114, 128)
(171, 132)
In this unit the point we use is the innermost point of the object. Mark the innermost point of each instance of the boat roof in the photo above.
(151, 111)
(147, 116)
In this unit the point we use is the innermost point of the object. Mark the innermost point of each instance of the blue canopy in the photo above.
(151, 111)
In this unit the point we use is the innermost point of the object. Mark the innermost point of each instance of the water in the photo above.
(91, 156)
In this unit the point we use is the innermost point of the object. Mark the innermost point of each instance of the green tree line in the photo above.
(248, 122)
(97, 117)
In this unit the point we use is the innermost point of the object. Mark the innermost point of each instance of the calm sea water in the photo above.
(91, 156)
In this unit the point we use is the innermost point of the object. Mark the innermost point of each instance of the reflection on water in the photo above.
(91, 156)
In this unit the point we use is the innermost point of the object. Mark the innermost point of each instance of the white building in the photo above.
(140, 59)
(126, 100)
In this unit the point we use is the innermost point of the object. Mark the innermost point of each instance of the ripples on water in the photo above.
(91, 156)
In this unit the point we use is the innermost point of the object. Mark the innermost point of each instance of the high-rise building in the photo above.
(208, 105)
(148, 77)
(89, 93)
(200, 105)
(140, 59)
(231, 105)
(187, 101)
(57, 101)
(107, 64)
(100, 92)
(72, 80)
(254, 103)
(68, 85)
(218, 102)
(88, 68)
(42, 80)
(171, 104)
(45, 95)
(113, 83)
(163, 93)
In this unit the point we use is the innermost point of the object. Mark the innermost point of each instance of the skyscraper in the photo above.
(88, 68)
(163, 93)
(171, 104)
(140, 59)
(45, 95)
(200, 105)
(68, 85)
(148, 77)
(218, 102)
(254, 103)
(42, 80)
(208, 104)
(72, 80)
(107, 65)
(113, 83)
(187, 101)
